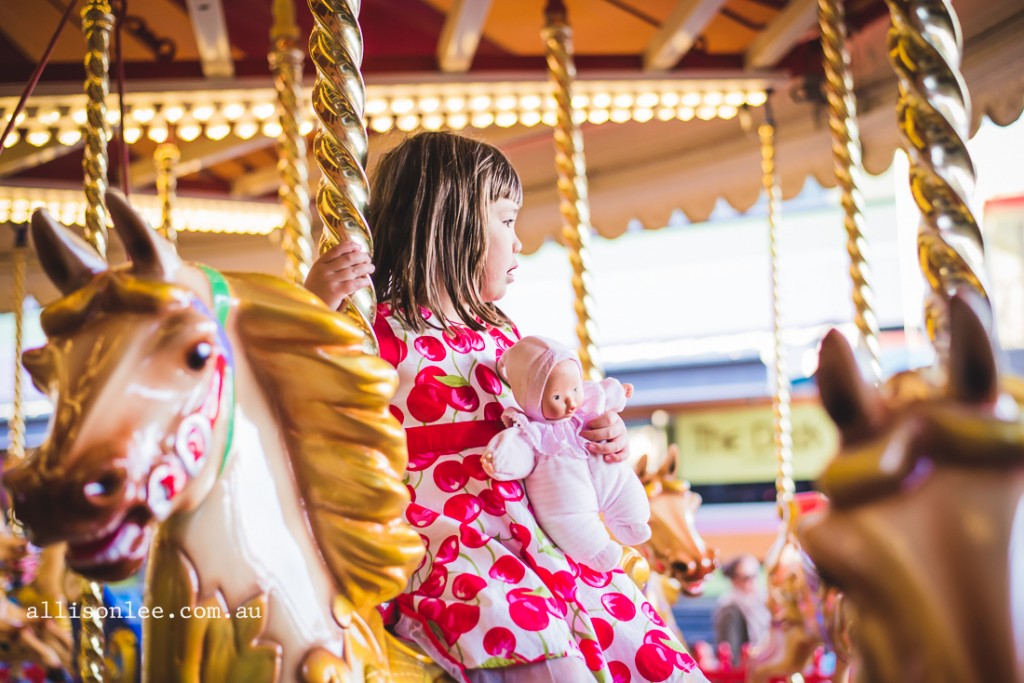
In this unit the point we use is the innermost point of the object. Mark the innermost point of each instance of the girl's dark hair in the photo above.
(428, 212)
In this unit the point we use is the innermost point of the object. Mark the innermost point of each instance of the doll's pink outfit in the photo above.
(568, 487)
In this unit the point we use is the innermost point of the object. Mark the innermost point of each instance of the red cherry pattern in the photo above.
(486, 587)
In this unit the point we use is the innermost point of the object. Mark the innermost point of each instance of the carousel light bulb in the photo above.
(272, 128)
(506, 119)
(20, 118)
(691, 99)
(580, 101)
(158, 131)
(202, 112)
(69, 136)
(306, 126)
(429, 105)
(457, 121)
(647, 100)
(598, 116)
(579, 116)
(666, 114)
(79, 116)
(505, 102)
(246, 128)
(264, 110)
(482, 119)
(381, 124)
(233, 111)
(619, 115)
(113, 116)
(601, 100)
(189, 130)
(480, 103)
(12, 138)
(143, 114)
(669, 99)
(756, 98)
(132, 134)
(402, 105)
(529, 102)
(727, 111)
(173, 113)
(643, 114)
(550, 117)
(48, 117)
(734, 98)
(376, 105)
(432, 122)
(685, 113)
(623, 101)
(407, 123)
(706, 113)
(529, 118)
(218, 128)
(38, 137)
(455, 103)
(713, 98)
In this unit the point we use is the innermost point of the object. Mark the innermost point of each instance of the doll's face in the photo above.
(563, 392)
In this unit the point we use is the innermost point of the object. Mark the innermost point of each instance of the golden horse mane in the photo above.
(347, 452)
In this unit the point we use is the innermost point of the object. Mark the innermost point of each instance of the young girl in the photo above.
(494, 599)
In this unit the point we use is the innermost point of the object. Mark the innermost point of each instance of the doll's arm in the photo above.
(615, 393)
(509, 456)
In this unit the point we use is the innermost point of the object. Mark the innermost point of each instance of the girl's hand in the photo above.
(338, 273)
(607, 436)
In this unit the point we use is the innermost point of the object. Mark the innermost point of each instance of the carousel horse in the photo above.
(678, 556)
(231, 427)
(924, 533)
(805, 612)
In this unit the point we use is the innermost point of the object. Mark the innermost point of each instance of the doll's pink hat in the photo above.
(526, 366)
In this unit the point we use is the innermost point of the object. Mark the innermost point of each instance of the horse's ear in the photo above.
(973, 374)
(668, 465)
(149, 253)
(641, 467)
(67, 259)
(851, 403)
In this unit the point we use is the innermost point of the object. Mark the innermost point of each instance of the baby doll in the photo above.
(567, 487)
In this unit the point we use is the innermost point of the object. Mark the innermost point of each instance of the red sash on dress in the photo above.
(445, 439)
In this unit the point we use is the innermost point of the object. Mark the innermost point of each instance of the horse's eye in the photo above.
(198, 355)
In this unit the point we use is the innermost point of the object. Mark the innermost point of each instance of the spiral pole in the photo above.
(934, 114)
(846, 157)
(572, 180)
(286, 62)
(92, 666)
(340, 145)
(782, 425)
(97, 23)
(16, 427)
(166, 157)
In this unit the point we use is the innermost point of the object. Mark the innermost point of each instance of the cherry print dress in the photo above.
(493, 591)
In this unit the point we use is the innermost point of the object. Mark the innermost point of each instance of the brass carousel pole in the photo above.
(286, 62)
(97, 23)
(166, 157)
(572, 179)
(16, 427)
(934, 114)
(340, 146)
(782, 423)
(846, 156)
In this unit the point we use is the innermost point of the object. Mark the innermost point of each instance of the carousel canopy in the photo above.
(667, 94)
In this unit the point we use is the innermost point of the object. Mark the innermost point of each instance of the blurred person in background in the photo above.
(741, 615)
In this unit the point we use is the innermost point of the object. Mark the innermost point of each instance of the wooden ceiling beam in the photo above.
(23, 157)
(197, 155)
(211, 31)
(772, 44)
(679, 32)
(265, 180)
(461, 34)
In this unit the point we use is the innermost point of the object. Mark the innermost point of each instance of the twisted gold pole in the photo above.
(16, 427)
(934, 114)
(97, 22)
(286, 63)
(340, 146)
(782, 424)
(166, 156)
(846, 156)
(572, 180)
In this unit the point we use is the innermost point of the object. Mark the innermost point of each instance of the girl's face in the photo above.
(502, 247)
